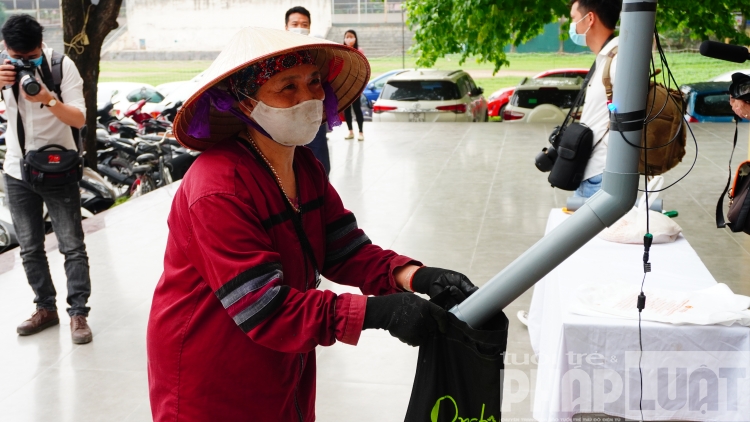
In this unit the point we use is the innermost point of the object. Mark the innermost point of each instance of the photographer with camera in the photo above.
(42, 166)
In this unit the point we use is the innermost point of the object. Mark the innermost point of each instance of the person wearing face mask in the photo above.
(350, 40)
(593, 24)
(298, 20)
(238, 313)
(38, 119)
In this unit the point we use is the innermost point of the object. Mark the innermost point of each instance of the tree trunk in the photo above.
(101, 20)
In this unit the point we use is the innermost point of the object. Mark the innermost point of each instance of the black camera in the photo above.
(25, 75)
(740, 88)
(545, 160)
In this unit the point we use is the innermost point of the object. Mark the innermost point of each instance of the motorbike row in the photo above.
(136, 153)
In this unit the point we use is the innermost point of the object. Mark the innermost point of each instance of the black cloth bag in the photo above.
(459, 373)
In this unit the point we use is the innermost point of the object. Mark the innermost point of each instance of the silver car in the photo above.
(430, 96)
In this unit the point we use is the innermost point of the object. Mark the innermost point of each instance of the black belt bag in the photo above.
(52, 165)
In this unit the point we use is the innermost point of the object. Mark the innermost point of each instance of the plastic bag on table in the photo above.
(631, 227)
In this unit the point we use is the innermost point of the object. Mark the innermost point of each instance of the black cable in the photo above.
(668, 78)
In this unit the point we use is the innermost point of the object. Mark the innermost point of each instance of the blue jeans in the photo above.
(64, 206)
(319, 147)
(589, 187)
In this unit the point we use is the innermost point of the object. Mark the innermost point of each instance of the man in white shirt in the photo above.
(297, 20)
(36, 121)
(593, 24)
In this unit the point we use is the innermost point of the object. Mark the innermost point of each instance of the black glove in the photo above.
(406, 316)
(432, 281)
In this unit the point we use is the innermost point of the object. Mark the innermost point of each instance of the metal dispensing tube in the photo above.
(620, 179)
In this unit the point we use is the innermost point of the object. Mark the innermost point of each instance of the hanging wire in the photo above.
(668, 79)
(79, 41)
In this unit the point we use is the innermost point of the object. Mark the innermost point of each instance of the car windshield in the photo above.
(716, 104)
(567, 74)
(149, 94)
(420, 91)
(562, 98)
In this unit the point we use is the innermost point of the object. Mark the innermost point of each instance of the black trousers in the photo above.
(357, 106)
(64, 206)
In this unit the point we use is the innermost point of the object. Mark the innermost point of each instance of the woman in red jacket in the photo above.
(237, 315)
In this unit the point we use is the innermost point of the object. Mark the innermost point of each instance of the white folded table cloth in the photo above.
(715, 305)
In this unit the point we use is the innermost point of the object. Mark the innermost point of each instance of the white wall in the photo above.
(207, 25)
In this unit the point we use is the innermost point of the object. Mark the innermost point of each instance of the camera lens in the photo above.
(545, 160)
(29, 84)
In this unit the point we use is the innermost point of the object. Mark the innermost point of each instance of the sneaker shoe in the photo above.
(40, 320)
(523, 316)
(79, 330)
(349, 136)
(361, 137)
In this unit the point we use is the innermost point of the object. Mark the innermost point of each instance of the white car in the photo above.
(430, 96)
(167, 88)
(546, 100)
(727, 77)
(184, 91)
(125, 94)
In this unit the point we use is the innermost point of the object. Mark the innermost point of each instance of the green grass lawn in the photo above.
(686, 67)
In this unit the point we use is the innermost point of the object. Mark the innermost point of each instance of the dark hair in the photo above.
(297, 9)
(608, 11)
(22, 33)
(356, 38)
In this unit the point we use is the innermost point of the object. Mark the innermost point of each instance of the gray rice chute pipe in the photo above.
(619, 185)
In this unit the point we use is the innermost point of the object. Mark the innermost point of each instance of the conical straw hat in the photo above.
(251, 45)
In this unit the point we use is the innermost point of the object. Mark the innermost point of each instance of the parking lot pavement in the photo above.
(460, 196)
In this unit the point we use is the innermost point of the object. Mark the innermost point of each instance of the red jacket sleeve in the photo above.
(234, 255)
(351, 258)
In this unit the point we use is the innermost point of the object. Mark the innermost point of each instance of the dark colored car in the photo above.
(707, 102)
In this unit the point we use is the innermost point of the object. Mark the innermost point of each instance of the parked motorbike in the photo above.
(170, 111)
(96, 196)
(140, 165)
(146, 122)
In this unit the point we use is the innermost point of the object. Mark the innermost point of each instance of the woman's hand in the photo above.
(433, 281)
(740, 108)
(406, 316)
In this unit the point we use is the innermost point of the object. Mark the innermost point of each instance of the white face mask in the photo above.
(301, 31)
(291, 126)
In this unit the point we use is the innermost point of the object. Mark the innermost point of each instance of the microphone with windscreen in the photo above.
(721, 51)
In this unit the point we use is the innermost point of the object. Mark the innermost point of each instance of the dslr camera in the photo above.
(545, 160)
(25, 75)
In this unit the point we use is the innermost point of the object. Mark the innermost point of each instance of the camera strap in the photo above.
(48, 77)
(720, 222)
(581, 94)
(20, 132)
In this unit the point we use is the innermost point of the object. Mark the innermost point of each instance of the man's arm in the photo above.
(67, 114)
(71, 116)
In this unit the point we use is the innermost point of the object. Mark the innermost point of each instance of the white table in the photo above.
(590, 365)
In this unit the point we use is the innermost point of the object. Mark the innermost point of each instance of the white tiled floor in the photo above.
(459, 196)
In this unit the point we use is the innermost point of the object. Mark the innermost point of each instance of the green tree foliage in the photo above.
(482, 28)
